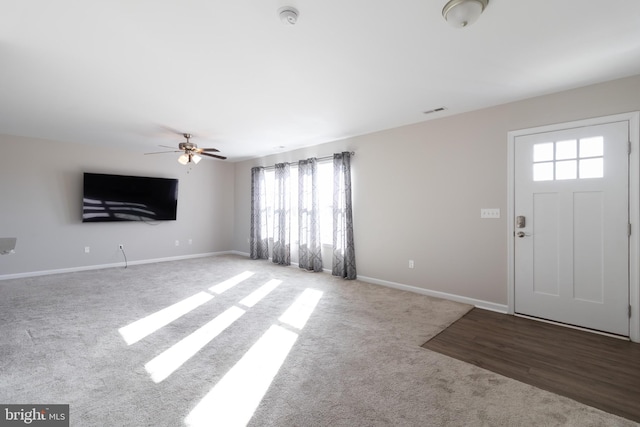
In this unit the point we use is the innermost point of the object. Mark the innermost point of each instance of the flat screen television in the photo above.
(108, 198)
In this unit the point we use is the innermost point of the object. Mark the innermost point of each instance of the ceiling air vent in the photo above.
(435, 110)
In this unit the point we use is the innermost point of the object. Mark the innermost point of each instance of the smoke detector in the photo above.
(288, 15)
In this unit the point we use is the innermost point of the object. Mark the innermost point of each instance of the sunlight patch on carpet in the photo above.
(230, 283)
(144, 327)
(264, 290)
(298, 313)
(234, 399)
(167, 362)
(171, 359)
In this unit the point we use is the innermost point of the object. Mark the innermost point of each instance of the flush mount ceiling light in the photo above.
(288, 15)
(461, 13)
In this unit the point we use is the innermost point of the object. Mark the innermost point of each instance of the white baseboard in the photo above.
(487, 305)
(500, 308)
(103, 266)
(245, 254)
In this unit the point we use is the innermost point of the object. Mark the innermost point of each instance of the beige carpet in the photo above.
(356, 361)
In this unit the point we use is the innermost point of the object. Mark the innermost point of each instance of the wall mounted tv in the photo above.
(109, 198)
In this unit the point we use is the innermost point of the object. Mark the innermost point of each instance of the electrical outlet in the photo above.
(411, 264)
(87, 249)
(190, 241)
(177, 242)
(121, 246)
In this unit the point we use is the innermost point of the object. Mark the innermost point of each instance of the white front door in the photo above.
(571, 238)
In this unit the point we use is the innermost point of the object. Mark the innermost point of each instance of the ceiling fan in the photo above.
(190, 151)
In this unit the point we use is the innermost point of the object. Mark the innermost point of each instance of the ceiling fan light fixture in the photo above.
(191, 153)
(183, 159)
(462, 13)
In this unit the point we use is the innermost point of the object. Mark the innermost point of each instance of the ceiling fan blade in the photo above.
(213, 155)
(170, 130)
(166, 146)
(164, 152)
(209, 149)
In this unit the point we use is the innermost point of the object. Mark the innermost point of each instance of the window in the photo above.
(571, 159)
(325, 184)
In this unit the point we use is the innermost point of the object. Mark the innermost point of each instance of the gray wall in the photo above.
(418, 190)
(41, 204)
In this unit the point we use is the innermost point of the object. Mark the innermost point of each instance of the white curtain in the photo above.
(344, 255)
(281, 215)
(309, 247)
(258, 237)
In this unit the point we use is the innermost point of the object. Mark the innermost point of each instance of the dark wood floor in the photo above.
(599, 371)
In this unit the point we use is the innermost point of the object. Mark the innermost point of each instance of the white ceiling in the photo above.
(136, 72)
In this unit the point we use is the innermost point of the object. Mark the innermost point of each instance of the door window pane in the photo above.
(566, 149)
(543, 171)
(591, 147)
(543, 152)
(569, 159)
(567, 169)
(592, 168)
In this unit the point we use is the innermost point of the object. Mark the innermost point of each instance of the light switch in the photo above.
(492, 213)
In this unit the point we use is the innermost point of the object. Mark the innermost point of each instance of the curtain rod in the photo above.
(320, 159)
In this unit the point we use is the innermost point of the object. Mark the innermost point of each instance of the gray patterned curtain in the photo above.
(258, 238)
(344, 255)
(309, 247)
(281, 216)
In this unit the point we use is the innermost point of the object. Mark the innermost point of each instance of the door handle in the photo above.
(521, 234)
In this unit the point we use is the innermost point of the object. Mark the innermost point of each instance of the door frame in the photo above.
(633, 118)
